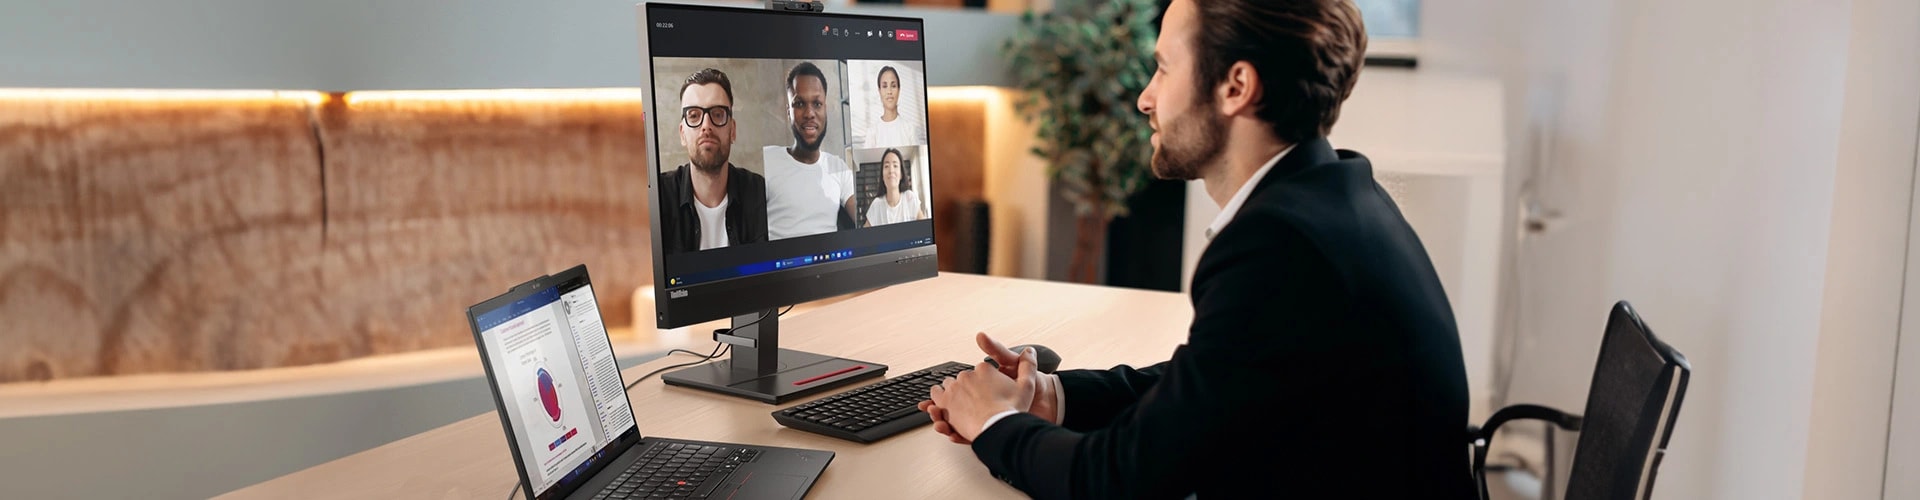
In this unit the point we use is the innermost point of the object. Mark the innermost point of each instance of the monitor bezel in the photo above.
(701, 302)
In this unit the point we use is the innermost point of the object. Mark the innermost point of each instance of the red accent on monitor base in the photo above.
(831, 374)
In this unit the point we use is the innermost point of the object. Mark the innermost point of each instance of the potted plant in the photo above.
(1082, 66)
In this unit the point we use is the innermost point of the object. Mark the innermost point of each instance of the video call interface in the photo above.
(802, 143)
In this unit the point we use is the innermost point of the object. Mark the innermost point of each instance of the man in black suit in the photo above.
(708, 202)
(1323, 360)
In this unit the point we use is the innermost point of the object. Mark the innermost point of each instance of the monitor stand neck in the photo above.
(759, 369)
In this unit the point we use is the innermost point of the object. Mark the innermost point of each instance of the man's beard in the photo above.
(800, 138)
(710, 163)
(1189, 145)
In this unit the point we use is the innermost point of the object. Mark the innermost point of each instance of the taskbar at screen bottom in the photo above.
(792, 262)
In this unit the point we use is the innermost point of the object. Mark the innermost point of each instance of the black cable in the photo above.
(783, 312)
(689, 353)
(718, 350)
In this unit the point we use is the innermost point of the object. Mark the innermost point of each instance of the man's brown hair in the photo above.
(709, 76)
(1308, 54)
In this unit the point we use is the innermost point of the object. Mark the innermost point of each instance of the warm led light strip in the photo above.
(972, 93)
(543, 95)
(311, 97)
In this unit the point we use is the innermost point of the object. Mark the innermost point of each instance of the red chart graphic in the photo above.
(549, 397)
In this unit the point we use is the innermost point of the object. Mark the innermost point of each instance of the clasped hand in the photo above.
(961, 404)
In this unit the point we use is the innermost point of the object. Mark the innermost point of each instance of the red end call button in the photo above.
(907, 35)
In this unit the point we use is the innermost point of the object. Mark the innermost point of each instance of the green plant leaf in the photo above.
(1081, 68)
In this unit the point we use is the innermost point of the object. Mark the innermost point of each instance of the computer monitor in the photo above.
(791, 159)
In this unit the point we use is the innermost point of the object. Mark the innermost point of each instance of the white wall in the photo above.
(1860, 318)
(1723, 146)
(1694, 150)
(1903, 442)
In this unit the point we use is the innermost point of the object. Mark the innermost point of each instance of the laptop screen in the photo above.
(554, 371)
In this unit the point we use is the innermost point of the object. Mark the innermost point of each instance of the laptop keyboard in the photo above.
(677, 470)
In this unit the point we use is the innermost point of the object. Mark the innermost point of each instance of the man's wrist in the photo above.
(991, 418)
(996, 418)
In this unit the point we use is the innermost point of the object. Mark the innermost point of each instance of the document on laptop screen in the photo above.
(559, 379)
(604, 385)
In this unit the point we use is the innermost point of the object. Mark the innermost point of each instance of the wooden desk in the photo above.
(908, 327)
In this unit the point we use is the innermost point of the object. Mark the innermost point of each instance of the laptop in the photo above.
(564, 406)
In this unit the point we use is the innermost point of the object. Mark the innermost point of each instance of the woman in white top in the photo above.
(890, 130)
(899, 205)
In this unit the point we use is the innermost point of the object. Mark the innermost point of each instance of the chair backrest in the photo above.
(1631, 407)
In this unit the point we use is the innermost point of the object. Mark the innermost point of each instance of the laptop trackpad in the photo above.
(759, 486)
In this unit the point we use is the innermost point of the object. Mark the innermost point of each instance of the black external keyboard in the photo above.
(871, 412)
(677, 470)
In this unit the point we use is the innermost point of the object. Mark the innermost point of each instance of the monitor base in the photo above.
(799, 374)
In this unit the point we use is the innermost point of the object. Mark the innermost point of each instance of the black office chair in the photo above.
(1631, 407)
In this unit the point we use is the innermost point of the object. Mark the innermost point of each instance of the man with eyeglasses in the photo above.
(708, 202)
(808, 190)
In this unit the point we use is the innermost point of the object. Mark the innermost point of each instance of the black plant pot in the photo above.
(1143, 248)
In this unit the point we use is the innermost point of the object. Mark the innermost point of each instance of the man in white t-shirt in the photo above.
(808, 190)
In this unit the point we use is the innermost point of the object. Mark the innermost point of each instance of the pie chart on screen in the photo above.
(549, 397)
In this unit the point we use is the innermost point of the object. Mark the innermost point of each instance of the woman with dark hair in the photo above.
(889, 129)
(899, 204)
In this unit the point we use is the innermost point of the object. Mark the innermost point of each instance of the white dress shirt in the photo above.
(1240, 197)
(1059, 405)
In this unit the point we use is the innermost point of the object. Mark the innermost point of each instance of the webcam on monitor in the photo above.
(797, 5)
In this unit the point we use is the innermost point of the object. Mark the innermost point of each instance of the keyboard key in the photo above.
(865, 413)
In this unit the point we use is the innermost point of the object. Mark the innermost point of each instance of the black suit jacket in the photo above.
(1323, 362)
(680, 223)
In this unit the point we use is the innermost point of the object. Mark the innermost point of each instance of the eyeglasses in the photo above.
(695, 116)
